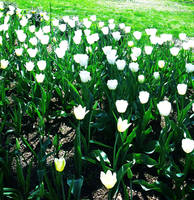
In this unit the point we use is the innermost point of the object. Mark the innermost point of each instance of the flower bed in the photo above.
(127, 94)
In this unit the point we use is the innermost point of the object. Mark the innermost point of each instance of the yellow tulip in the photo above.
(60, 164)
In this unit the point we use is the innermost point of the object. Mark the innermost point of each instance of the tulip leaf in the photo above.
(144, 159)
(157, 186)
(100, 144)
(75, 185)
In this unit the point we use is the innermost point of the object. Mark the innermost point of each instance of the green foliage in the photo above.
(116, 128)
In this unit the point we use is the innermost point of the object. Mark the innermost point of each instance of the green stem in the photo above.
(131, 194)
(62, 186)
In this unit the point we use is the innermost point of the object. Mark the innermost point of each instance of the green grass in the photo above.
(172, 21)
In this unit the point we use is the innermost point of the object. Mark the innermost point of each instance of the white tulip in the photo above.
(62, 27)
(122, 26)
(141, 78)
(40, 78)
(87, 23)
(64, 45)
(44, 39)
(134, 67)
(122, 125)
(109, 179)
(116, 35)
(174, 51)
(182, 89)
(111, 57)
(187, 145)
(144, 97)
(46, 29)
(101, 24)
(121, 64)
(41, 65)
(55, 22)
(136, 51)
(111, 26)
(164, 107)
(107, 50)
(137, 35)
(33, 41)
(4, 64)
(112, 84)
(80, 112)
(77, 39)
(148, 49)
(130, 43)
(156, 75)
(87, 32)
(121, 105)
(81, 59)
(182, 36)
(60, 52)
(151, 31)
(161, 63)
(32, 52)
(105, 30)
(93, 18)
(29, 66)
(189, 67)
(19, 51)
(111, 21)
(127, 29)
(85, 76)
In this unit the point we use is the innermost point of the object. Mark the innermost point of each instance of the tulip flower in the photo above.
(144, 97)
(120, 64)
(80, 112)
(4, 64)
(122, 125)
(164, 107)
(161, 63)
(108, 179)
(60, 164)
(84, 76)
(134, 67)
(41, 65)
(121, 105)
(112, 84)
(182, 89)
(141, 78)
(187, 145)
(40, 78)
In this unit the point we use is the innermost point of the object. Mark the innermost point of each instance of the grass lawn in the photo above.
(165, 15)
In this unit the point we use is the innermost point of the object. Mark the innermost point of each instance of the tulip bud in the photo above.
(144, 97)
(60, 164)
(156, 75)
(112, 84)
(85, 76)
(161, 63)
(40, 78)
(141, 78)
(130, 43)
(164, 107)
(182, 88)
(187, 145)
(121, 106)
(120, 64)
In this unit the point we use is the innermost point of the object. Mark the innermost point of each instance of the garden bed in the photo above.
(93, 110)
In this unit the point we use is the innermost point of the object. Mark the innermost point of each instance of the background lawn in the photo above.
(165, 15)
